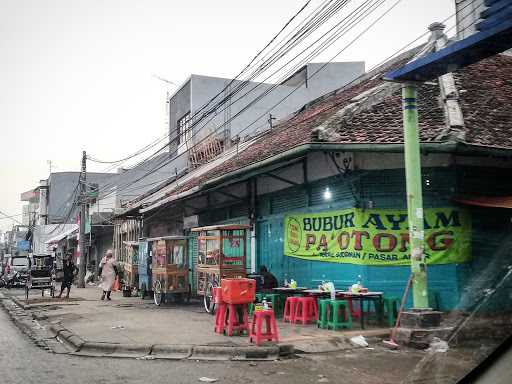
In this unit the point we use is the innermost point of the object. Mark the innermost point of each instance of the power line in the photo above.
(378, 4)
(195, 123)
(336, 37)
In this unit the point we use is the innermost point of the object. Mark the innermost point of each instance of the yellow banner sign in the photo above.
(377, 236)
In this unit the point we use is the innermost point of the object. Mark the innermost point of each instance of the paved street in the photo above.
(23, 362)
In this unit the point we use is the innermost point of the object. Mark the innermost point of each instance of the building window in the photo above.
(184, 129)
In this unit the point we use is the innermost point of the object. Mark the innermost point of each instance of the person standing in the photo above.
(108, 273)
(69, 269)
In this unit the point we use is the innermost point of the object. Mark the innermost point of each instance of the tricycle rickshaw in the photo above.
(170, 268)
(41, 274)
(221, 254)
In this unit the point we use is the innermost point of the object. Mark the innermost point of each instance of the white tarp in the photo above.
(43, 235)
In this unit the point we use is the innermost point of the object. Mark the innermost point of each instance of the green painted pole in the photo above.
(414, 196)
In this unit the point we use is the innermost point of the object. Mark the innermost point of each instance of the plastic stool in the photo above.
(391, 308)
(220, 313)
(271, 333)
(341, 317)
(324, 313)
(353, 312)
(237, 319)
(289, 308)
(220, 318)
(306, 310)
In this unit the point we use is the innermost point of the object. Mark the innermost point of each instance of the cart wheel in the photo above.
(188, 295)
(158, 294)
(209, 304)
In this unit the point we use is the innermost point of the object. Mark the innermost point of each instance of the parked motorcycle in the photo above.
(13, 279)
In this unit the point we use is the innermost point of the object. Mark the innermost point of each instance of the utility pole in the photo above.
(271, 121)
(83, 213)
(414, 196)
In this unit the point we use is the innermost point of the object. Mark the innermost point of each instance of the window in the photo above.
(184, 129)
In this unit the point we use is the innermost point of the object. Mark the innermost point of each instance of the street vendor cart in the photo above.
(170, 268)
(222, 253)
(145, 281)
(131, 266)
(41, 274)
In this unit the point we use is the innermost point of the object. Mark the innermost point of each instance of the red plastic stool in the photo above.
(237, 319)
(289, 308)
(220, 312)
(271, 333)
(353, 312)
(306, 310)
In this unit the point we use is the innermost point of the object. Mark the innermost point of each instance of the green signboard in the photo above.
(377, 236)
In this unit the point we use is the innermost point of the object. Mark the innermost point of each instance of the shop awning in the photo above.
(62, 235)
(486, 201)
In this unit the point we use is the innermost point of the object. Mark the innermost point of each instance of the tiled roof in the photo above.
(485, 90)
(369, 111)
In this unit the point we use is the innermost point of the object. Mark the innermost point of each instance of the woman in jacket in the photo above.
(108, 272)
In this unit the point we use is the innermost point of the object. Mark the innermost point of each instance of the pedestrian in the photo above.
(108, 272)
(69, 269)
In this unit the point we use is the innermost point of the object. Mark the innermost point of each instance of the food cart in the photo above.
(221, 254)
(169, 268)
(131, 266)
(145, 281)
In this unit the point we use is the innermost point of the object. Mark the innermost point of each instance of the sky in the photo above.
(80, 74)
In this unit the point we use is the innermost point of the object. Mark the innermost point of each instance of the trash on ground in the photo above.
(147, 357)
(205, 379)
(358, 341)
(118, 327)
(323, 380)
(438, 345)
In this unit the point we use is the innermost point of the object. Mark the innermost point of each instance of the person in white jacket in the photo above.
(108, 273)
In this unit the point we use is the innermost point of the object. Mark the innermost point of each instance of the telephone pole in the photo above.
(83, 213)
(414, 196)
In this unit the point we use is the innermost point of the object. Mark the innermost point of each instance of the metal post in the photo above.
(414, 196)
(83, 213)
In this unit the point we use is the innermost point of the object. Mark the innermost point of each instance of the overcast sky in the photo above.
(77, 74)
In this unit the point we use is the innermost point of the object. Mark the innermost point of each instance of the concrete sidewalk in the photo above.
(136, 322)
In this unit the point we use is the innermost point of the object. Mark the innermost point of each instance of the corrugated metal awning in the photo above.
(486, 201)
(63, 235)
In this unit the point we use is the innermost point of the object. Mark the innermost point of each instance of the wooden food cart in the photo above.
(222, 253)
(131, 267)
(170, 268)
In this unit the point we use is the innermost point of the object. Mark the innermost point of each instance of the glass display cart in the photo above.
(222, 252)
(169, 269)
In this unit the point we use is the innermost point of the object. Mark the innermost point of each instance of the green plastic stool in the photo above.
(377, 314)
(274, 298)
(391, 308)
(324, 313)
(336, 321)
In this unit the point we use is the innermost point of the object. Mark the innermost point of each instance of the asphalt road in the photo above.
(22, 362)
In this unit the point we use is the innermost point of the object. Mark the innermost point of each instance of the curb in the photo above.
(78, 346)
(171, 352)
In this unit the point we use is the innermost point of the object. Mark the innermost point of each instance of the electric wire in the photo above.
(379, 2)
